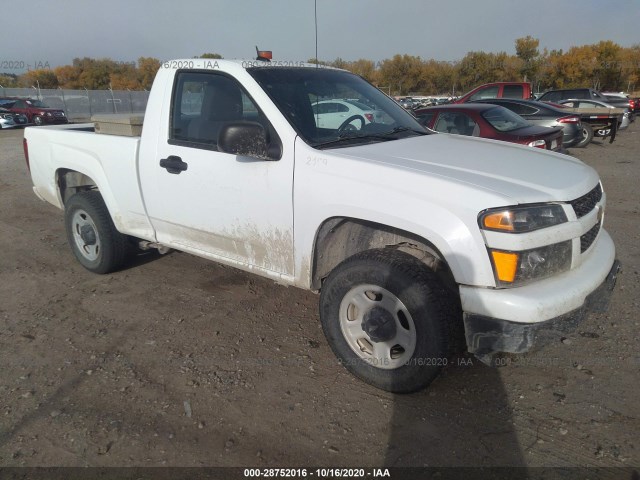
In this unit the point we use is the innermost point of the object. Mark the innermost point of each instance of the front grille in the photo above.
(587, 239)
(586, 203)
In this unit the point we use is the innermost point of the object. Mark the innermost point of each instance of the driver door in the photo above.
(213, 203)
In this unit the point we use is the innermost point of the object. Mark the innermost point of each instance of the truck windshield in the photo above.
(331, 108)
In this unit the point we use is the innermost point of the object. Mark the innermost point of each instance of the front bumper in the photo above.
(513, 320)
(487, 336)
(55, 120)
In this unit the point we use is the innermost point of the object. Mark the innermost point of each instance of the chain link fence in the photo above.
(80, 105)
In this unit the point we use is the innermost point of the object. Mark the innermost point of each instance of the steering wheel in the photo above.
(347, 123)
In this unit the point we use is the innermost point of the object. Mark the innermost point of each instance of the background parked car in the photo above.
(544, 115)
(333, 113)
(520, 90)
(6, 119)
(634, 103)
(590, 105)
(489, 121)
(407, 103)
(583, 94)
(573, 103)
(18, 118)
(36, 111)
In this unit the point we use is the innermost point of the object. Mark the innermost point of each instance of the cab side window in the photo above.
(489, 92)
(203, 103)
(513, 91)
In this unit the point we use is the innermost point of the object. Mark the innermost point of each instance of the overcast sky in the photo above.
(53, 32)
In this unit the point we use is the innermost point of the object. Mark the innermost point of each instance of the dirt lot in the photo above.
(177, 361)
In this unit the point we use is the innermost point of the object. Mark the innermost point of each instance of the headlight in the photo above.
(516, 268)
(522, 219)
(48, 114)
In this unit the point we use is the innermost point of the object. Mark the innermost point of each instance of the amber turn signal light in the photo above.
(499, 221)
(506, 265)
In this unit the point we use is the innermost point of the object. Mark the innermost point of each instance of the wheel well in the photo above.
(339, 238)
(71, 182)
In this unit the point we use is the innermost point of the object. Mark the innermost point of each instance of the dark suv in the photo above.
(37, 112)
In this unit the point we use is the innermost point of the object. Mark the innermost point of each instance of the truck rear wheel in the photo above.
(93, 238)
(385, 316)
(587, 136)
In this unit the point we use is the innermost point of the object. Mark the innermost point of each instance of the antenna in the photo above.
(315, 15)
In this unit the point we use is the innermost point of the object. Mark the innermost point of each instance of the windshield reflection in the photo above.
(332, 108)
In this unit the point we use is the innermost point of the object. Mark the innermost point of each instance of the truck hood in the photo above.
(521, 174)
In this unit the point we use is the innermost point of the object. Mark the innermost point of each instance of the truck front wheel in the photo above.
(93, 238)
(385, 316)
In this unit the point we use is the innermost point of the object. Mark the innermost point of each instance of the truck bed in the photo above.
(110, 160)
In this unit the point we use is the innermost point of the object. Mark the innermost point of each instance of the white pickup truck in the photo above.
(314, 178)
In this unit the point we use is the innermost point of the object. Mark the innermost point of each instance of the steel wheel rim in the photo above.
(79, 220)
(387, 354)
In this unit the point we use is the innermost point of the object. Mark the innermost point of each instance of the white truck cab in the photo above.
(412, 238)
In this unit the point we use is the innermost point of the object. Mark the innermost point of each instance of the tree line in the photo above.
(604, 66)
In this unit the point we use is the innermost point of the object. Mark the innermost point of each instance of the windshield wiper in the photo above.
(386, 136)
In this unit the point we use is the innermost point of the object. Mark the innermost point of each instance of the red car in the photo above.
(37, 112)
(489, 121)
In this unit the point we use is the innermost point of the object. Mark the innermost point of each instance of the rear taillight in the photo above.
(632, 104)
(571, 119)
(369, 116)
(538, 144)
(25, 147)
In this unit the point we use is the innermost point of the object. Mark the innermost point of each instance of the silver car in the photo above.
(583, 103)
(6, 119)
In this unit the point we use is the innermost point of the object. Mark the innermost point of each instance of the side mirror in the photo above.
(244, 138)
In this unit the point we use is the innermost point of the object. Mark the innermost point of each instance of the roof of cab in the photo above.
(215, 63)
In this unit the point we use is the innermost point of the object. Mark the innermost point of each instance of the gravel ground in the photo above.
(178, 361)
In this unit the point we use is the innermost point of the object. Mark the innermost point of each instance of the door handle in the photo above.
(173, 164)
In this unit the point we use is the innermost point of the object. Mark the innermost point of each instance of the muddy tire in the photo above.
(93, 238)
(587, 136)
(387, 318)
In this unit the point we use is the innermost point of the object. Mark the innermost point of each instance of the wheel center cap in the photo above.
(88, 235)
(379, 324)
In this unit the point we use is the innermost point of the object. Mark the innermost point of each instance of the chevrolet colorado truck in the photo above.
(413, 239)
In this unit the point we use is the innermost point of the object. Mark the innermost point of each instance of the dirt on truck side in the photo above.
(178, 361)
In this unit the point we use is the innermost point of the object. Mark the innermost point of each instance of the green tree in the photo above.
(147, 69)
(403, 73)
(365, 68)
(43, 78)
(527, 51)
(8, 80)
(608, 71)
(68, 76)
(210, 55)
